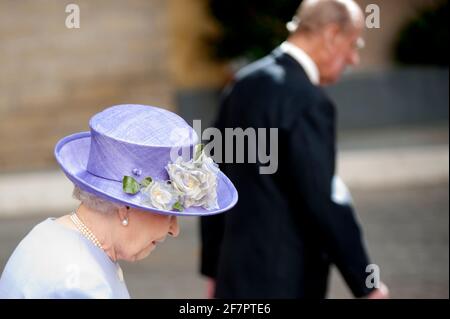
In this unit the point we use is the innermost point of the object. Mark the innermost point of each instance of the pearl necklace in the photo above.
(85, 230)
(90, 235)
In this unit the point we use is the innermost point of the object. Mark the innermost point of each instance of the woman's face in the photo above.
(144, 232)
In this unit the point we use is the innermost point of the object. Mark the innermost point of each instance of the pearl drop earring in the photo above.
(125, 222)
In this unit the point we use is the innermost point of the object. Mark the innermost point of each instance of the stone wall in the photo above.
(54, 78)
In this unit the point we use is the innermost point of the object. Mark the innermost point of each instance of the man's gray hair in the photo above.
(94, 202)
(313, 15)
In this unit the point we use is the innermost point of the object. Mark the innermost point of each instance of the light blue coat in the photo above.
(53, 261)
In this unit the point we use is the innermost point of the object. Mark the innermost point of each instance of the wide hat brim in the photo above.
(72, 153)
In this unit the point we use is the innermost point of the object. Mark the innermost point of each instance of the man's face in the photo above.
(342, 52)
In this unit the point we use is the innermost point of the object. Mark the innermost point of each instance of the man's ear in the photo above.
(330, 34)
(123, 212)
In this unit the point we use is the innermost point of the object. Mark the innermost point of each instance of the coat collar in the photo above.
(303, 59)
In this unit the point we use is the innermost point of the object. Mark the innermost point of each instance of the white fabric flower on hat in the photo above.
(191, 183)
(195, 180)
(161, 195)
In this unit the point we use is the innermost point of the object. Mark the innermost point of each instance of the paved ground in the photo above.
(406, 229)
(400, 191)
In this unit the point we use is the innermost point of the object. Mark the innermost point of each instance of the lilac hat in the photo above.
(143, 144)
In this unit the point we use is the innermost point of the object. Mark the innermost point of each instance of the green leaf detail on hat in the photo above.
(146, 181)
(198, 149)
(178, 206)
(130, 185)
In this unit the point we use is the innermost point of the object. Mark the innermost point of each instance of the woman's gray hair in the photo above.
(94, 202)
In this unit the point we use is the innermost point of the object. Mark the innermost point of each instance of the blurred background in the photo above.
(179, 54)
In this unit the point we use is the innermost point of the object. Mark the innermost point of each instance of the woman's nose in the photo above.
(174, 229)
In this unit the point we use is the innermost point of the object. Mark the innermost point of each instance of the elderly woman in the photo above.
(137, 169)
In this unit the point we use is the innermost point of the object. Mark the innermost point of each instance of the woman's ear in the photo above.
(123, 212)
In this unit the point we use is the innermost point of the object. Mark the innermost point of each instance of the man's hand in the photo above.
(379, 293)
(210, 288)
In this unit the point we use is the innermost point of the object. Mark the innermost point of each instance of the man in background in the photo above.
(289, 227)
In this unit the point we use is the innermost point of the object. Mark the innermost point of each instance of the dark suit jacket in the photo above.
(280, 238)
